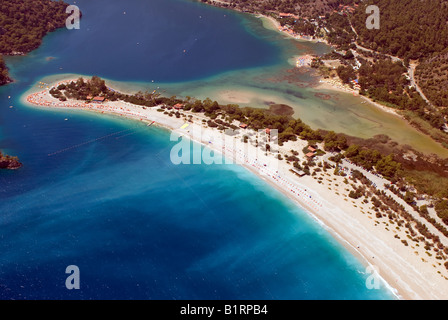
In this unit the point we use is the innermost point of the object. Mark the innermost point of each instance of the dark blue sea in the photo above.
(100, 192)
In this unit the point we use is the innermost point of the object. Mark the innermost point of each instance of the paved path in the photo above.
(410, 69)
(379, 183)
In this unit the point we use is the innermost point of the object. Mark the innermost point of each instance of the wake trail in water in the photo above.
(94, 140)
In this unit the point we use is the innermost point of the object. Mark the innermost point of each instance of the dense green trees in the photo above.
(408, 28)
(385, 81)
(387, 166)
(82, 89)
(383, 73)
(364, 157)
(346, 73)
(4, 77)
(412, 30)
(341, 33)
(301, 7)
(369, 159)
(335, 142)
(23, 24)
(441, 208)
(432, 77)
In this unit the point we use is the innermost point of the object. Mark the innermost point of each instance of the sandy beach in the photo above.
(408, 269)
(273, 24)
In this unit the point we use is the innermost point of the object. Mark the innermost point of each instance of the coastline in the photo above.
(402, 271)
(326, 85)
(323, 83)
(276, 26)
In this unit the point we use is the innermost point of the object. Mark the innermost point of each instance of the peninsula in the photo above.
(385, 202)
(362, 190)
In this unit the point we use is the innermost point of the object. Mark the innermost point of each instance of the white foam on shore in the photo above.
(343, 223)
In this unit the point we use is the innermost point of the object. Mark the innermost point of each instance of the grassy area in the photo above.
(426, 128)
(427, 182)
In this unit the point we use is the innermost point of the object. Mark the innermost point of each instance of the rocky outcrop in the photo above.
(7, 162)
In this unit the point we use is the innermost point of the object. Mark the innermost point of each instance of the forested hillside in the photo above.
(23, 24)
(415, 31)
(432, 76)
(4, 77)
(409, 29)
(307, 8)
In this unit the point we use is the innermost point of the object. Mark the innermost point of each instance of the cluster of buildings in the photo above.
(346, 9)
(311, 153)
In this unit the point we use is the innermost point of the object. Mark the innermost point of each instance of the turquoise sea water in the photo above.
(102, 194)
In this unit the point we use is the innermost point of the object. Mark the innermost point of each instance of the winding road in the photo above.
(410, 69)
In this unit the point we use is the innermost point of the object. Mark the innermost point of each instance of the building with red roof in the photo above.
(310, 155)
(98, 99)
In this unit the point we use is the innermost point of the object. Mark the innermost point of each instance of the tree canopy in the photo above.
(23, 24)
